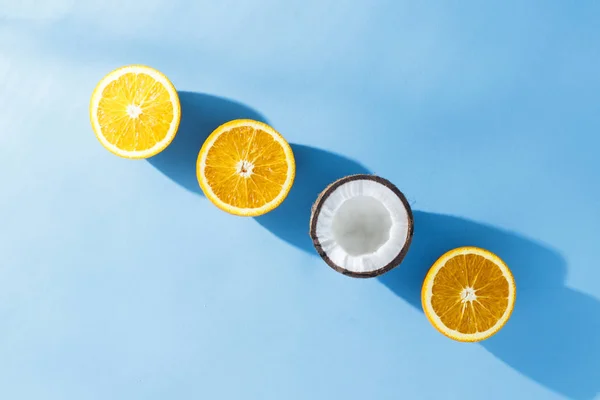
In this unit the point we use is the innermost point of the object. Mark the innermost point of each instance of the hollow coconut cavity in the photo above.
(361, 225)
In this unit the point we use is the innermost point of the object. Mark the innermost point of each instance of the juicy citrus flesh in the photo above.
(246, 168)
(468, 294)
(135, 112)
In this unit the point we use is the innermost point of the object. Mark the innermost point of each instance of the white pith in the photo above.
(244, 168)
(134, 110)
(468, 296)
(362, 226)
(201, 166)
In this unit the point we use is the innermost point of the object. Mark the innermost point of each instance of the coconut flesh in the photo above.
(361, 225)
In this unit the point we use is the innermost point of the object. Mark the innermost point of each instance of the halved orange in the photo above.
(135, 111)
(468, 294)
(246, 168)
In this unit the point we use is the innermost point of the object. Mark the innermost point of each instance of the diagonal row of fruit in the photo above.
(361, 225)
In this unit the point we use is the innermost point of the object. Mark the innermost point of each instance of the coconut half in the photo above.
(361, 225)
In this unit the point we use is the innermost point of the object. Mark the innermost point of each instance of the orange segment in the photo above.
(246, 168)
(135, 112)
(468, 294)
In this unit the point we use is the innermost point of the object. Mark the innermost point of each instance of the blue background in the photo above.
(119, 280)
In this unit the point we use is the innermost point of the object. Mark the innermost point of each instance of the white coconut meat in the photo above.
(362, 225)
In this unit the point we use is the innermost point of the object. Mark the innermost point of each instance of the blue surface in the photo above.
(119, 280)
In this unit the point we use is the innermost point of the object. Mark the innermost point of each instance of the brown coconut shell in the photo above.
(316, 210)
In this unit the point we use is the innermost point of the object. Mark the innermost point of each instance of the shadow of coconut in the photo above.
(552, 336)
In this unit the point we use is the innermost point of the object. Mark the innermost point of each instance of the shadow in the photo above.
(200, 115)
(553, 335)
(315, 170)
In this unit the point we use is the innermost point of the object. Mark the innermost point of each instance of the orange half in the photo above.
(246, 168)
(135, 111)
(468, 294)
